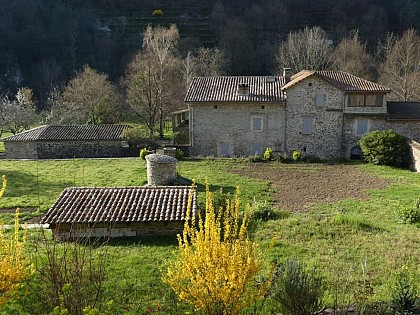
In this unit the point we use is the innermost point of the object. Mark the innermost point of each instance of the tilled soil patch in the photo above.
(298, 185)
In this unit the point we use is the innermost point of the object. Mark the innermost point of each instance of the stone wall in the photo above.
(161, 169)
(225, 129)
(71, 231)
(415, 156)
(326, 137)
(20, 150)
(62, 149)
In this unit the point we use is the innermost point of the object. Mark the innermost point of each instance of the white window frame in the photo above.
(261, 129)
(307, 130)
(358, 127)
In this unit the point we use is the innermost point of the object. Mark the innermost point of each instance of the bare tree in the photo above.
(162, 44)
(19, 114)
(92, 99)
(142, 91)
(206, 62)
(401, 69)
(351, 56)
(308, 49)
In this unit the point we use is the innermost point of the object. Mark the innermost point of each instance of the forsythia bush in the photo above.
(13, 264)
(217, 264)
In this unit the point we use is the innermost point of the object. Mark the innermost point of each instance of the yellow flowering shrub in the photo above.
(14, 266)
(217, 264)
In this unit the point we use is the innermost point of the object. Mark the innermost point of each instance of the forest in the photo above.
(45, 43)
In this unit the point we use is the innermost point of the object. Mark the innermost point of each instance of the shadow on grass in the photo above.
(20, 183)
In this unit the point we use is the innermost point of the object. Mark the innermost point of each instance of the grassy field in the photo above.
(350, 241)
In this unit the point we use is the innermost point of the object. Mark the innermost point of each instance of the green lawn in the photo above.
(348, 241)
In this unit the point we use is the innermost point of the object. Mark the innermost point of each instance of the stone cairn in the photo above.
(161, 169)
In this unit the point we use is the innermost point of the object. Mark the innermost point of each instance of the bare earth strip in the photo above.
(298, 185)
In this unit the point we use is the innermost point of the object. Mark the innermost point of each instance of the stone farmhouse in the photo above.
(321, 113)
(123, 211)
(66, 141)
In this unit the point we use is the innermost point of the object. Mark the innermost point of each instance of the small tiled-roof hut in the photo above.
(112, 212)
(66, 141)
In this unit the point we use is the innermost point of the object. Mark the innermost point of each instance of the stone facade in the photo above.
(161, 169)
(66, 231)
(226, 129)
(322, 115)
(63, 149)
(415, 155)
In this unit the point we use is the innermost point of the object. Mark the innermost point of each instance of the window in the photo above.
(320, 100)
(257, 124)
(224, 149)
(362, 126)
(215, 106)
(307, 123)
(256, 148)
(361, 100)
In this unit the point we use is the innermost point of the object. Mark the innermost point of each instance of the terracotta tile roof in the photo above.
(225, 89)
(80, 132)
(404, 110)
(342, 80)
(129, 204)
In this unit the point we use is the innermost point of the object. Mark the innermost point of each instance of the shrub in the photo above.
(143, 153)
(264, 211)
(385, 148)
(311, 159)
(215, 271)
(268, 154)
(297, 155)
(139, 137)
(14, 266)
(179, 154)
(407, 215)
(295, 291)
(404, 292)
(180, 137)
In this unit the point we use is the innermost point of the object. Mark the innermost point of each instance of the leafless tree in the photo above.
(161, 43)
(18, 114)
(206, 62)
(401, 69)
(351, 56)
(308, 49)
(142, 90)
(92, 99)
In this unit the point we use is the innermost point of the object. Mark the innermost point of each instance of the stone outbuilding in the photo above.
(66, 141)
(115, 212)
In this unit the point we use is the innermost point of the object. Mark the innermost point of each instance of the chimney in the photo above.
(287, 73)
(243, 89)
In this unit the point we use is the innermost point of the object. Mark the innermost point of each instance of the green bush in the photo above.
(264, 211)
(143, 153)
(268, 154)
(295, 291)
(297, 155)
(385, 148)
(179, 154)
(139, 137)
(408, 215)
(180, 137)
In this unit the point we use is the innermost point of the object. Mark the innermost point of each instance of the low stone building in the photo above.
(320, 113)
(114, 212)
(58, 142)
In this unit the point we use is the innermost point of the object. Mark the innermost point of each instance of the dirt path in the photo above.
(298, 185)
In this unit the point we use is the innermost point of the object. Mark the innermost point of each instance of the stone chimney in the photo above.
(161, 169)
(287, 73)
(243, 89)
